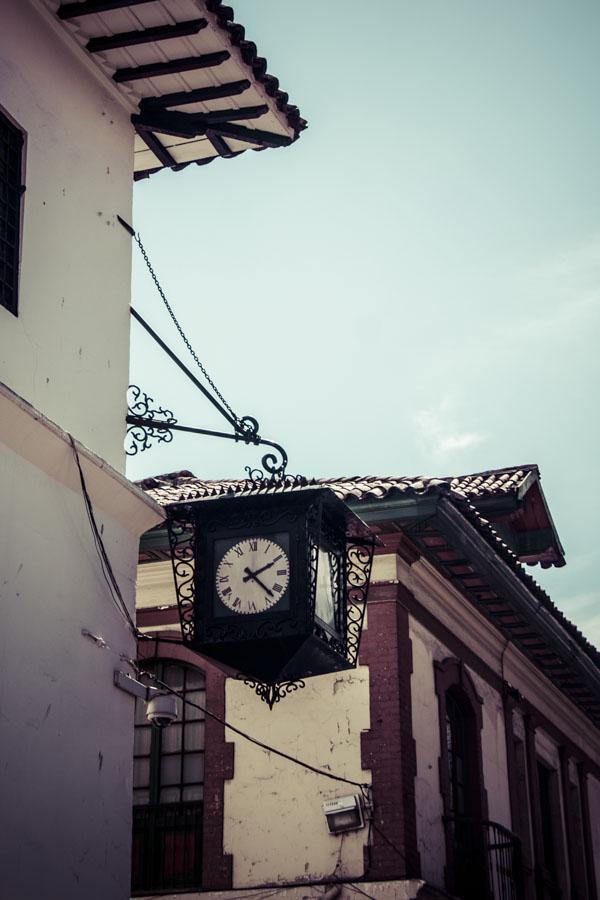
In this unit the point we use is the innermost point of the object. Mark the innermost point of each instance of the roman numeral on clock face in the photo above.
(252, 576)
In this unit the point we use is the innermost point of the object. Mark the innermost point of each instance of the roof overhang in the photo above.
(452, 536)
(197, 87)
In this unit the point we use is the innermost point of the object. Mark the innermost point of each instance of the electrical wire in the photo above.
(107, 570)
(355, 887)
(249, 737)
(388, 841)
(121, 606)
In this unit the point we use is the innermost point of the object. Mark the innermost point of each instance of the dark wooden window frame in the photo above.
(451, 675)
(12, 165)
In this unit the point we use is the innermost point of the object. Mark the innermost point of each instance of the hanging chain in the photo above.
(182, 333)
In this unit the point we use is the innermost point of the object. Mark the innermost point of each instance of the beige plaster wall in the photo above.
(408, 889)
(493, 753)
(67, 351)
(274, 823)
(426, 651)
(426, 734)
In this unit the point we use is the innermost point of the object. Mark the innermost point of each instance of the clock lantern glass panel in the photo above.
(270, 583)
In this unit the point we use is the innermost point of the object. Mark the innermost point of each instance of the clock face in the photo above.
(253, 575)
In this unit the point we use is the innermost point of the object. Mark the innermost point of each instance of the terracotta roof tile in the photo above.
(177, 487)
(182, 487)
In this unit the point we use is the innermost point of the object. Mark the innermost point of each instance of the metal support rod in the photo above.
(185, 369)
(156, 423)
(248, 438)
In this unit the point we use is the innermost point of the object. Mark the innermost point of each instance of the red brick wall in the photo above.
(388, 748)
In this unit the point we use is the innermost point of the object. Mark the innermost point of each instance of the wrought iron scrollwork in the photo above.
(359, 560)
(146, 423)
(248, 427)
(272, 693)
(182, 540)
(273, 463)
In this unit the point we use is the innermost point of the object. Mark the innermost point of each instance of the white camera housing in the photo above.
(162, 710)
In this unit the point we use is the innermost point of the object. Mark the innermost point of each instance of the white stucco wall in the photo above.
(67, 351)
(65, 730)
(274, 822)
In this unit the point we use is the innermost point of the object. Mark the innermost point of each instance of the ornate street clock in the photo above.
(272, 586)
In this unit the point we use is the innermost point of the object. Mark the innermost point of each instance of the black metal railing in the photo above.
(167, 847)
(485, 860)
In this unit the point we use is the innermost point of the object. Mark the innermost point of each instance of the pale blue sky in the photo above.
(412, 287)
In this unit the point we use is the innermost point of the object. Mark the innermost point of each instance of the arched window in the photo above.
(461, 779)
(168, 782)
(463, 794)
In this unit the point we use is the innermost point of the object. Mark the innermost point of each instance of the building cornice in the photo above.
(45, 445)
(446, 604)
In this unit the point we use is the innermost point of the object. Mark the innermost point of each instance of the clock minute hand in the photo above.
(257, 571)
(252, 575)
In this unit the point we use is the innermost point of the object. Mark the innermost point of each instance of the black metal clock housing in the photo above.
(267, 581)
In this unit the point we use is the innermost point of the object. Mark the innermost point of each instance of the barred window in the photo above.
(11, 152)
(168, 781)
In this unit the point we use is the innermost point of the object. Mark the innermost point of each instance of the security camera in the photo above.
(162, 710)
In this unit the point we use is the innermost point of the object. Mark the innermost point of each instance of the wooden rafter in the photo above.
(190, 125)
(172, 66)
(218, 116)
(88, 7)
(219, 144)
(153, 143)
(253, 135)
(145, 36)
(180, 98)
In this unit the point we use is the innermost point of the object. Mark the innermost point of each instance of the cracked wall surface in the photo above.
(275, 827)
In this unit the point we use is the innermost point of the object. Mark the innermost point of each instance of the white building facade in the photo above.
(64, 357)
(74, 133)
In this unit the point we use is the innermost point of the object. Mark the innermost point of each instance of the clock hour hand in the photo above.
(257, 572)
(252, 575)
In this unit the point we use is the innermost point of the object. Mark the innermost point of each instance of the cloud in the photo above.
(440, 433)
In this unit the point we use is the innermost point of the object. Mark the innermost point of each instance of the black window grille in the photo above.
(11, 153)
(458, 762)
(168, 783)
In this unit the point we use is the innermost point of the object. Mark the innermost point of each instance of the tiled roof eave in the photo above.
(224, 17)
(185, 488)
(492, 537)
(153, 62)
